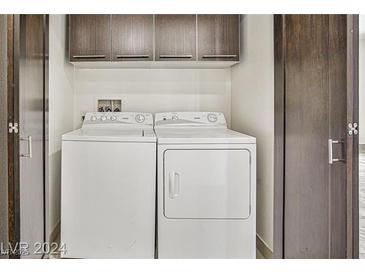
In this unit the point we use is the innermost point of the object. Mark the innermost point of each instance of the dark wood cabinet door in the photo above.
(90, 38)
(175, 37)
(218, 37)
(132, 37)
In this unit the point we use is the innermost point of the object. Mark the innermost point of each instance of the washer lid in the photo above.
(202, 136)
(111, 135)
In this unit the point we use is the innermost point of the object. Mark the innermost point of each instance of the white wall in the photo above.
(60, 110)
(253, 109)
(362, 88)
(153, 90)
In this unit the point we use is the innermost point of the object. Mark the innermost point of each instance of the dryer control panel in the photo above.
(95, 119)
(190, 119)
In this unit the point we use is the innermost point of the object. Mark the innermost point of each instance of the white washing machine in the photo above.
(206, 187)
(108, 187)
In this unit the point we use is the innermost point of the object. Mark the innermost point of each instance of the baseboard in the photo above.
(263, 248)
(53, 237)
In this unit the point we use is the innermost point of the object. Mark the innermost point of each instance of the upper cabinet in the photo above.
(218, 37)
(132, 37)
(90, 38)
(175, 37)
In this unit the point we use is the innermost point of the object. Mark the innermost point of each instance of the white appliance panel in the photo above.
(206, 238)
(190, 119)
(108, 199)
(207, 183)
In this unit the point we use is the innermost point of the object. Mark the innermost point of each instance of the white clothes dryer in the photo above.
(206, 187)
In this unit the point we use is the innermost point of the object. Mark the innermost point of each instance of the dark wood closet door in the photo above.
(31, 132)
(218, 37)
(132, 37)
(175, 37)
(307, 127)
(337, 86)
(315, 122)
(90, 38)
(4, 235)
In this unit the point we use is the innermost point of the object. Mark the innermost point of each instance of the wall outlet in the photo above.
(109, 105)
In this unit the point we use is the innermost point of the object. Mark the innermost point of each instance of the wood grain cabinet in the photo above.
(132, 37)
(175, 37)
(218, 37)
(147, 37)
(90, 38)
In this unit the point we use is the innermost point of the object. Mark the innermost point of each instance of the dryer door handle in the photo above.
(174, 184)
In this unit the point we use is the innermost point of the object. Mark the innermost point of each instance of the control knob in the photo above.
(212, 117)
(140, 118)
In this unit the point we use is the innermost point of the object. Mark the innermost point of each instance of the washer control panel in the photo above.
(175, 119)
(118, 118)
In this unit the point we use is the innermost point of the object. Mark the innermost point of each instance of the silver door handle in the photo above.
(30, 153)
(132, 56)
(332, 160)
(89, 56)
(176, 56)
(219, 56)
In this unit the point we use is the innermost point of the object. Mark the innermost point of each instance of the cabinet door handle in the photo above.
(207, 56)
(182, 56)
(132, 56)
(332, 160)
(89, 56)
(30, 153)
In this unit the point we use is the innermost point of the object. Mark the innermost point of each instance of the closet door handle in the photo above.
(174, 184)
(30, 152)
(132, 56)
(181, 56)
(332, 160)
(219, 56)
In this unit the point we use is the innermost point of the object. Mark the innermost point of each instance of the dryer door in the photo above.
(211, 184)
